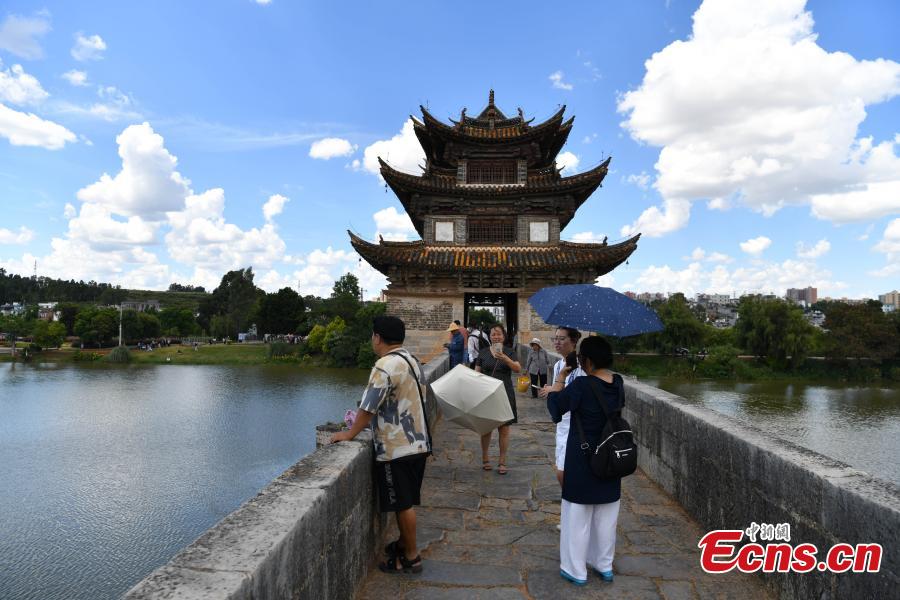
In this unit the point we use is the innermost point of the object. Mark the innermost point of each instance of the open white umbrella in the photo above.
(473, 400)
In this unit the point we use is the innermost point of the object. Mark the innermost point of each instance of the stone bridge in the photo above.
(314, 532)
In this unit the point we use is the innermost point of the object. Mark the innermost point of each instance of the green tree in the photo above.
(773, 329)
(14, 327)
(316, 338)
(48, 334)
(234, 301)
(177, 321)
(860, 331)
(482, 316)
(333, 332)
(344, 300)
(97, 325)
(149, 325)
(281, 312)
(67, 313)
(681, 326)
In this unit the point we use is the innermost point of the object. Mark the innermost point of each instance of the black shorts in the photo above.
(399, 482)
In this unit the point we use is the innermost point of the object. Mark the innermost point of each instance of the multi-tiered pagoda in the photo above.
(490, 206)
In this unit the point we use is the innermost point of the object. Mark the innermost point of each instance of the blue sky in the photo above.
(754, 144)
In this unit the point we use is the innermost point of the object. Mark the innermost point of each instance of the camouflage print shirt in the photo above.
(391, 396)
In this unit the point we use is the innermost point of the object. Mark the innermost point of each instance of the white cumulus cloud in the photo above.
(18, 35)
(18, 87)
(403, 152)
(148, 184)
(28, 129)
(750, 108)
(88, 47)
(76, 77)
(756, 246)
(327, 148)
(815, 251)
(23, 236)
(393, 225)
(556, 78)
(274, 205)
(568, 161)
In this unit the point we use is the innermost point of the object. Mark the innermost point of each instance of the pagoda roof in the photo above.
(450, 259)
(492, 131)
(441, 182)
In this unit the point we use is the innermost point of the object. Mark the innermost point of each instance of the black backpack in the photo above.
(483, 341)
(616, 454)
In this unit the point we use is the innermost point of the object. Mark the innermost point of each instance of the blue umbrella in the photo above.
(592, 308)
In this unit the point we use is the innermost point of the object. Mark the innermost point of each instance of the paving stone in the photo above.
(436, 593)
(436, 498)
(544, 536)
(677, 590)
(495, 536)
(656, 566)
(549, 585)
(461, 574)
(443, 518)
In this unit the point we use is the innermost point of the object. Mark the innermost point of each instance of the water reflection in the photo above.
(856, 425)
(108, 471)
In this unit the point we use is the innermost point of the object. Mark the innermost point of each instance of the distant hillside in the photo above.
(15, 288)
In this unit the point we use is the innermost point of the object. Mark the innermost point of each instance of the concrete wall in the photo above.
(312, 533)
(728, 475)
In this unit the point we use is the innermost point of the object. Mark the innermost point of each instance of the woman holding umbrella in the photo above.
(498, 361)
(590, 506)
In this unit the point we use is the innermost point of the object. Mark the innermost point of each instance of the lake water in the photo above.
(856, 425)
(106, 472)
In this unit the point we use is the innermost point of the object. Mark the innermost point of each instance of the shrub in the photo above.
(281, 350)
(315, 339)
(722, 361)
(80, 356)
(119, 354)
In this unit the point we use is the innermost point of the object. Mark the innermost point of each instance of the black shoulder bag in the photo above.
(616, 454)
(421, 398)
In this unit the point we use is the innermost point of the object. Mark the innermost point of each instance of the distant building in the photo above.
(648, 297)
(816, 318)
(141, 305)
(631, 295)
(12, 308)
(47, 311)
(807, 296)
(891, 299)
(715, 299)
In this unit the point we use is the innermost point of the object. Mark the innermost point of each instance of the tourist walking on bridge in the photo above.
(590, 505)
(537, 365)
(499, 361)
(395, 398)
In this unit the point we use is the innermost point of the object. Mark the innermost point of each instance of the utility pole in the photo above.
(120, 323)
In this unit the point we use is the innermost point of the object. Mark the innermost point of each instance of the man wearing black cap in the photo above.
(394, 403)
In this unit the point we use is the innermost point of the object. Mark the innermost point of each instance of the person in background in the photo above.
(477, 339)
(564, 341)
(456, 347)
(537, 365)
(465, 334)
(394, 403)
(590, 506)
(498, 360)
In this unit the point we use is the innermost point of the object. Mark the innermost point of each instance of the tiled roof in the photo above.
(545, 181)
(512, 129)
(564, 256)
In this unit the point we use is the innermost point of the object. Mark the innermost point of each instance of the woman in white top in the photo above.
(565, 340)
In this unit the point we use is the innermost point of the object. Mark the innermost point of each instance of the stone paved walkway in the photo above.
(487, 536)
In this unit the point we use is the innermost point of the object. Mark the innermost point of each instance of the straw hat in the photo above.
(535, 341)
(453, 327)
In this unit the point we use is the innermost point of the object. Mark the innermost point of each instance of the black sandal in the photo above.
(406, 566)
(393, 549)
